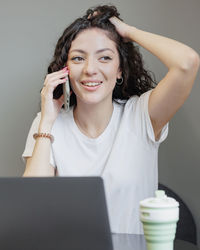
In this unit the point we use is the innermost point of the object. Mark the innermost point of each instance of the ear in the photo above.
(119, 73)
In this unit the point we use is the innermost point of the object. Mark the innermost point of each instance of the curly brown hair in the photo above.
(136, 79)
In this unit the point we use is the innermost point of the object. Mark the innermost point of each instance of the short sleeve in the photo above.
(144, 99)
(30, 141)
(137, 108)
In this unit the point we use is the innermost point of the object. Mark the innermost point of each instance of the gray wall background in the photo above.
(29, 32)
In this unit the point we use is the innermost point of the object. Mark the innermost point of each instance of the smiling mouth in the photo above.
(91, 84)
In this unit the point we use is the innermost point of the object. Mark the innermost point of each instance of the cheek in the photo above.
(111, 72)
(114, 68)
(74, 72)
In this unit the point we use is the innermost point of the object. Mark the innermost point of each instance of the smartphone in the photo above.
(66, 94)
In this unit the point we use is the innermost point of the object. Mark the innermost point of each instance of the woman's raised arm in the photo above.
(182, 63)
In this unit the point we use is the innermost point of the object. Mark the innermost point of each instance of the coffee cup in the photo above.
(159, 217)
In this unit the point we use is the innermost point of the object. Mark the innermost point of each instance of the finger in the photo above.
(57, 82)
(114, 20)
(93, 14)
(51, 85)
(64, 70)
(58, 77)
(62, 74)
(54, 77)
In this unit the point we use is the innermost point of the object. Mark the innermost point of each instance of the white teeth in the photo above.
(91, 84)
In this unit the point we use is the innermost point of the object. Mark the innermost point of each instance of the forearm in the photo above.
(170, 52)
(39, 163)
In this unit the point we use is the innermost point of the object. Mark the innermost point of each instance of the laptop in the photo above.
(59, 213)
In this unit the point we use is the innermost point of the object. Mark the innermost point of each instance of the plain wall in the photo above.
(29, 32)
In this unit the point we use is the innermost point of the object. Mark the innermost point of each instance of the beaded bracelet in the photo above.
(44, 135)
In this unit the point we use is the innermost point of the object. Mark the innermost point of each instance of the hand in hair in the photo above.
(110, 13)
(122, 28)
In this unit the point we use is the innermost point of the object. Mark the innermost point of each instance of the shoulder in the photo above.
(135, 113)
(136, 102)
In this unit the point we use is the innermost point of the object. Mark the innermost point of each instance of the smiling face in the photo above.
(93, 61)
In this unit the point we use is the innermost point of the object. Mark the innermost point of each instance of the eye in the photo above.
(77, 59)
(105, 58)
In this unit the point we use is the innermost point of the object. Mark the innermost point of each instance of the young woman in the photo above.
(117, 117)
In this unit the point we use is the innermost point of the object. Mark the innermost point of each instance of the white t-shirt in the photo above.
(125, 155)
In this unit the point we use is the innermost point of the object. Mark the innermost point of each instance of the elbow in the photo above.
(192, 62)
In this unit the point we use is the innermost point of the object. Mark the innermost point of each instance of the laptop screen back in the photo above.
(54, 213)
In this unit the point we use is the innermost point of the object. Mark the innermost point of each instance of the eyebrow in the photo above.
(97, 52)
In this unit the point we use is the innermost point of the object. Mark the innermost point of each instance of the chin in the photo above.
(92, 100)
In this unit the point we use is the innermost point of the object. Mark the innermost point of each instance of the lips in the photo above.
(91, 88)
(91, 81)
(91, 84)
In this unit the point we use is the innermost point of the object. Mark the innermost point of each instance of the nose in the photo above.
(90, 67)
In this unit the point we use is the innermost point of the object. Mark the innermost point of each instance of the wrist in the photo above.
(131, 32)
(45, 127)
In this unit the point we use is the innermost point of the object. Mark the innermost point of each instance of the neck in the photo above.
(92, 120)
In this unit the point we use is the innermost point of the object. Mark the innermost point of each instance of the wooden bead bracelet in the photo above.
(44, 135)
